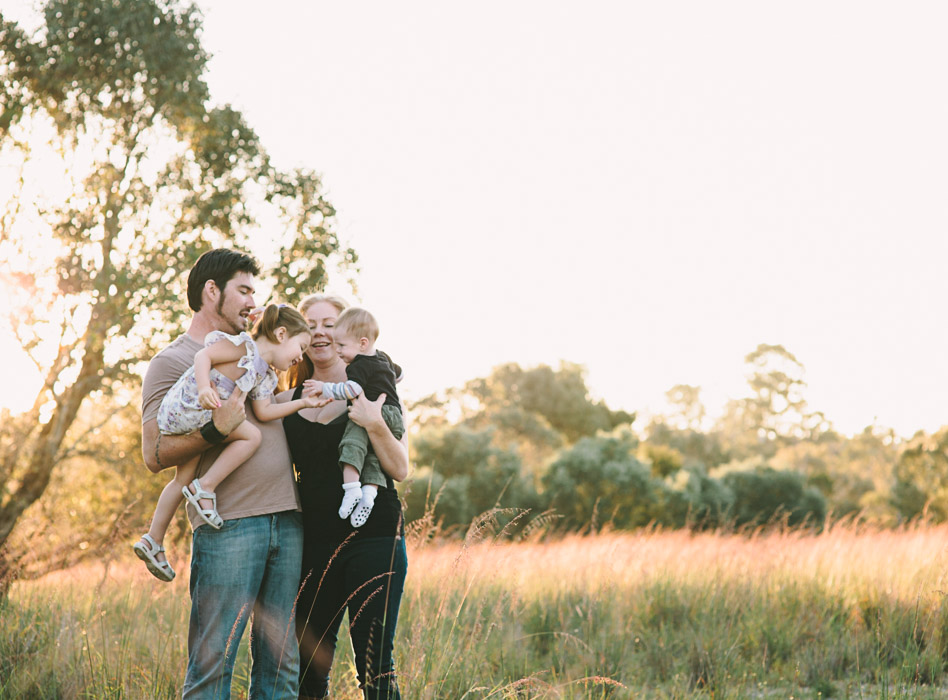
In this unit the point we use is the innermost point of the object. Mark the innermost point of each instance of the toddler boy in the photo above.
(370, 372)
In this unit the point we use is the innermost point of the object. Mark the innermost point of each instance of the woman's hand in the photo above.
(366, 413)
(392, 453)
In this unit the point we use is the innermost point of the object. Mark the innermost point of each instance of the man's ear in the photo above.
(212, 290)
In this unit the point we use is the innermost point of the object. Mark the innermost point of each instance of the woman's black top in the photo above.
(315, 451)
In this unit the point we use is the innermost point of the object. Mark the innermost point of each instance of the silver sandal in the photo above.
(208, 515)
(148, 550)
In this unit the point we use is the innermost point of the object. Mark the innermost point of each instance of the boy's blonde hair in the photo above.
(357, 323)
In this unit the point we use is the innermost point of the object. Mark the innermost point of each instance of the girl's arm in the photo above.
(267, 409)
(392, 453)
(214, 354)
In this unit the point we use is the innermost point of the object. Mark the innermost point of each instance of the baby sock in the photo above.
(352, 494)
(364, 509)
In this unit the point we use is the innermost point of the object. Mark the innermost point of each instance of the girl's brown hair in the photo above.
(276, 316)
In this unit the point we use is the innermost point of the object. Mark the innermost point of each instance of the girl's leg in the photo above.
(242, 442)
(168, 503)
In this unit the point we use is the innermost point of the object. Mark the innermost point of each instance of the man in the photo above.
(250, 568)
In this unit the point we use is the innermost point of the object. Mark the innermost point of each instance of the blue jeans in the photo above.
(367, 577)
(247, 570)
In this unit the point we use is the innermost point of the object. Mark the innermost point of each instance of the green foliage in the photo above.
(697, 448)
(533, 412)
(560, 397)
(921, 478)
(685, 473)
(599, 480)
(765, 495)
(775, 413)
(664, 460)
(467, 476)
(854, 474)
(153, 175)
(699, 501)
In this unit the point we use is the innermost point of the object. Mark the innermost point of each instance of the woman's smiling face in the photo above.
(321, 317)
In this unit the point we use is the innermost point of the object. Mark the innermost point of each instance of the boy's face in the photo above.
(347, 347)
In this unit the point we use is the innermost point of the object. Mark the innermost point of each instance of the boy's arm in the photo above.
(392, 453)
(341, 390)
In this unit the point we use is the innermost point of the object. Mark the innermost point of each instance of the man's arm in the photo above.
(163, 451)
(392, 453)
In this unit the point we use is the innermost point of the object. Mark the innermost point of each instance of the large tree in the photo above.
(127, 172)
(776, 412)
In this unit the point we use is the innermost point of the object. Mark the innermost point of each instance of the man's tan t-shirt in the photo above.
(264, 483)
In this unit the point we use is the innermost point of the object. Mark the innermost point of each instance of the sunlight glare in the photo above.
(23, 379)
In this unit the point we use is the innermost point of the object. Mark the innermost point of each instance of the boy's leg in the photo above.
(352, 450)
(371, 472)
(351, 490)
(392, 415)
(353, 446)
(372, 478)
(372, 475)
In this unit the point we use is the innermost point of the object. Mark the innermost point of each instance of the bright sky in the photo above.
(647, 189)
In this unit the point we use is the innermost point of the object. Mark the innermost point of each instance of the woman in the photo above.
(343, 568)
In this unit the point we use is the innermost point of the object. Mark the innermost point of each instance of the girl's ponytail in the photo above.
(275, 316)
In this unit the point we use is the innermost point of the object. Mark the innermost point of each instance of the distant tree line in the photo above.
(533, 440)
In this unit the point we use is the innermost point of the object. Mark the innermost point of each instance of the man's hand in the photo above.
(366, 413)
(231, 413)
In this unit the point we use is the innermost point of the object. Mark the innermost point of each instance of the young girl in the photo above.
(226, 362)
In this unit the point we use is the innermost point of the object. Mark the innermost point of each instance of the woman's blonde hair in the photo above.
(337, 301)
(303, 370)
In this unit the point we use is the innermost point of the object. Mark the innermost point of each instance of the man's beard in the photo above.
(220, 314)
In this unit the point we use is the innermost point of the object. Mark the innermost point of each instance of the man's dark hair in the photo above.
(220, 265)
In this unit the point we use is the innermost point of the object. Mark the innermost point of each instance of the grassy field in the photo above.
(848, 613)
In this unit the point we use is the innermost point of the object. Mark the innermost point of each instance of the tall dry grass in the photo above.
(850, 613)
